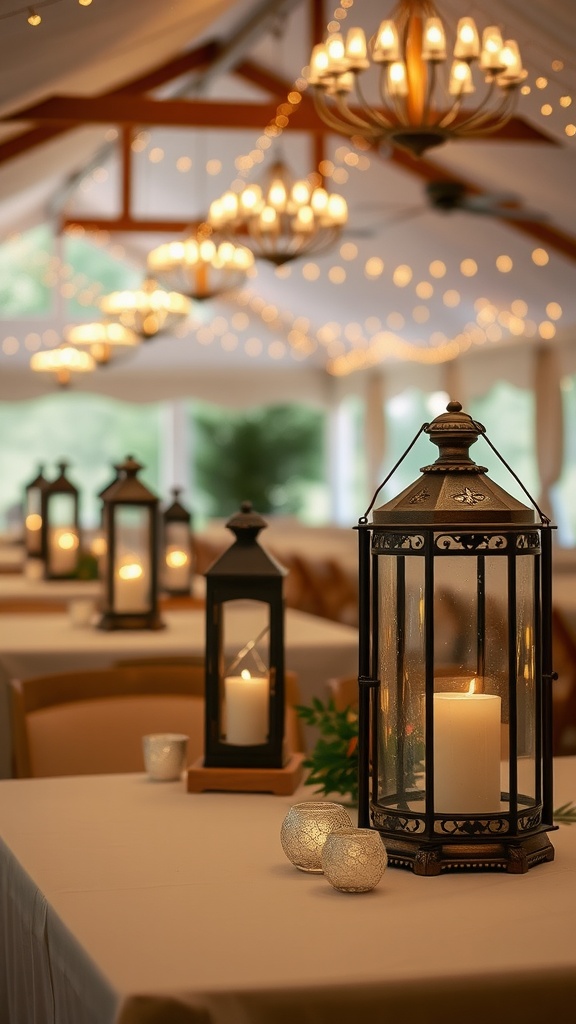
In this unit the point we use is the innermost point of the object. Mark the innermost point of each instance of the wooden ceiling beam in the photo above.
(75, 111)
(136, 110)
(126, 223)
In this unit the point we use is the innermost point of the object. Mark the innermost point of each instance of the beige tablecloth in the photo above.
(17, 587)
(134, 902)
(30, 645)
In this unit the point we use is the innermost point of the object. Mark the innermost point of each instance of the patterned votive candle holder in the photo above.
(304, 831)
(354, 859)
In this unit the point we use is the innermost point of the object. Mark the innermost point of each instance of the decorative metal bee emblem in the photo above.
(419, 496)
(468, 497)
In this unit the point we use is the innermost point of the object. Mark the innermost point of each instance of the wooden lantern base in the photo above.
(280, 781)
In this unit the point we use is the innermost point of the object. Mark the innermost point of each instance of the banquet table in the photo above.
(17, 587)
(125, 901)
(31, 645)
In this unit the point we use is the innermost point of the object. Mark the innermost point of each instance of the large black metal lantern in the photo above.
(455, 753)
(60, 527)
(33, 514)
(131, 534)
(244, 652)
(176, 556)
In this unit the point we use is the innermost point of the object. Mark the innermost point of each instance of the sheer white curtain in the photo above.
(549, 423)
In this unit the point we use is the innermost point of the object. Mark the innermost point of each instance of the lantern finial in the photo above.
(246, 524)
(454, 432)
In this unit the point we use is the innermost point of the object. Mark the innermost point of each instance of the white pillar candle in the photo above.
(63, 545)
(131, 591)
(247, 700)
(466, 753)
(33, 526)
(176, 575)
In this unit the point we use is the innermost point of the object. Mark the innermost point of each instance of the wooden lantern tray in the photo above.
(279, 781)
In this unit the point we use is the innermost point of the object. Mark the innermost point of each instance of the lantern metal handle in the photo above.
(544, 519)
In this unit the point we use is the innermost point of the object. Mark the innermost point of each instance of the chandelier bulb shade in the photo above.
(282, 218)
(424, 84)
(202, 266)
(62, 361)
(102, 339)
(147, 311)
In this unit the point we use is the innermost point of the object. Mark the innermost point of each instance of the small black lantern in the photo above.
(131, 535)
(177, 562)
(60, 528)
(455, 751)
(33, 515)
(245, 676)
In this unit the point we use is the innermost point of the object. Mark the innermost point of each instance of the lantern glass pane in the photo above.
(455, 622)
(177, 556)
(63, 539)
(132, 570)
(526, 715)
(401, 670)
(245, 672)
(33, 521)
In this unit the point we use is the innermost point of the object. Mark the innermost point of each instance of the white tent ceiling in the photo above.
(50, 169)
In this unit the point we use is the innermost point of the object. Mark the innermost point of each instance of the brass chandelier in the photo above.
(424, 87)
(148, 310)
(282, 218)
(201, 266)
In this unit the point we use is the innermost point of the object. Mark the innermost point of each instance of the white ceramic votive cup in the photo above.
(165, 755)
(305, 828)
(354, 859)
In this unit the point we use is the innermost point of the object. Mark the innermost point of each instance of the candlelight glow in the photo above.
(33, 521)
(176, 558)
(245, 674)
(130, 571)
(67, 541)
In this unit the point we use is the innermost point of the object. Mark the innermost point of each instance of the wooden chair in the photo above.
(92, 722)
(563, 688)
(344, 692)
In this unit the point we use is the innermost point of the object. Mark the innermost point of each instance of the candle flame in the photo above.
(472, 687)
(132, 571)
(33, 521)
(67, 541)
(245, 674)
(175, 559)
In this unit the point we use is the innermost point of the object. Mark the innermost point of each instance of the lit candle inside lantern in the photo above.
(466, 752)
(131, 587)
(63, 550)
(33, 526)
(176, 569)
(247, 699)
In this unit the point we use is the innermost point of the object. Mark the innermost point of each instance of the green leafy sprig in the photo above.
(565, 815)
(333, 764)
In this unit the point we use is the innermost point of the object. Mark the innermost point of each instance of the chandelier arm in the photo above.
(375, 116)
(325, 112)
(345, 111)
(431, 85)
(479, 114)
(450, 116)
(490, 122)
